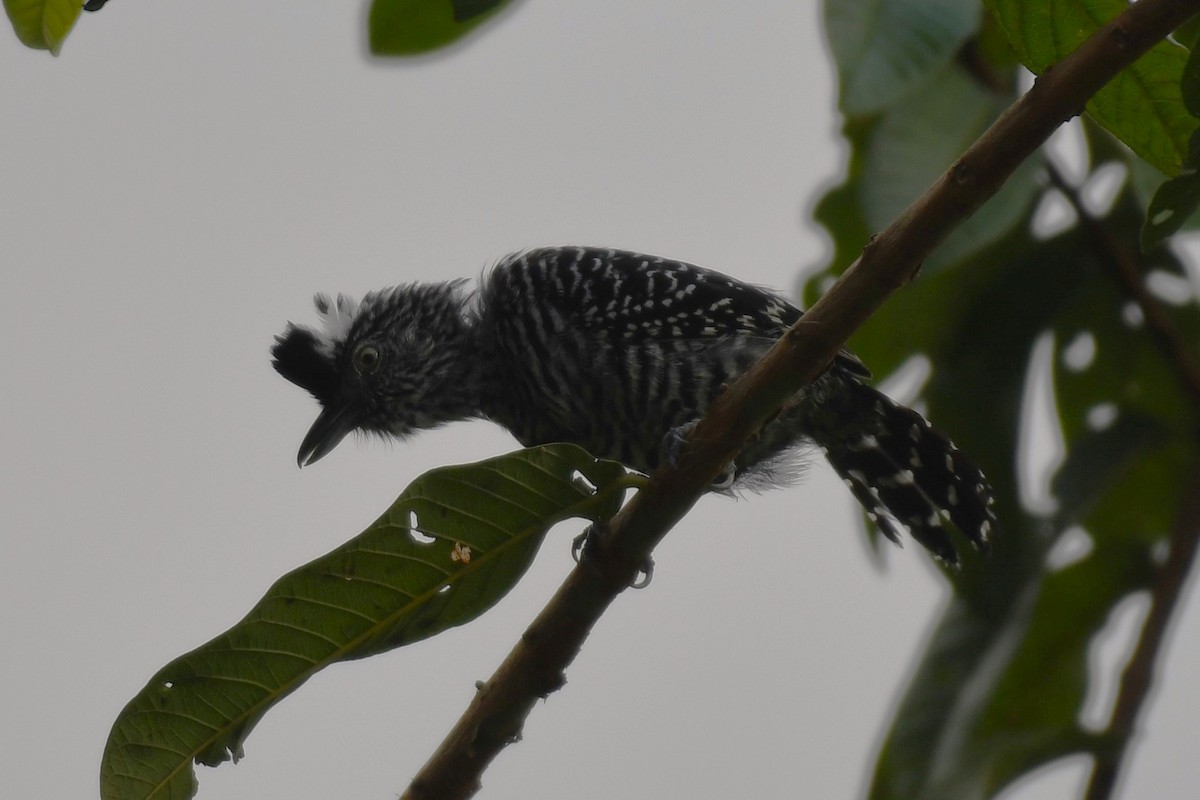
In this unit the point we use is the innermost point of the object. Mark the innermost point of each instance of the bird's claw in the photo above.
(644, 575)
(584, 545)
(725, 480)
(676, 440)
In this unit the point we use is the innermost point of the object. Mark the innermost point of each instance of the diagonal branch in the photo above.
(535, 666)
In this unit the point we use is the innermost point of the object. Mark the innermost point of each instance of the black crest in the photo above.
(297, 355)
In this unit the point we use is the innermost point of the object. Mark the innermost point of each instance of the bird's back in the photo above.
(613, 349)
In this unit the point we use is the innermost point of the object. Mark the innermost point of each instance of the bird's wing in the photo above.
(619, 295)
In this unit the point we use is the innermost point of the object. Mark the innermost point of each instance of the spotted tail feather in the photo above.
(901, 469)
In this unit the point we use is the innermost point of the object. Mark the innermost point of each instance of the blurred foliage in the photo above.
(447, 550)
(416, 27)
(394, 27)
(1000, 688)
(43, 24)
(1178, 198)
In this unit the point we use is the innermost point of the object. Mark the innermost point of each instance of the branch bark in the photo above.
(535, 666)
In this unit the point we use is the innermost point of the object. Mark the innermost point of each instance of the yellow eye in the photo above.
(366, 359)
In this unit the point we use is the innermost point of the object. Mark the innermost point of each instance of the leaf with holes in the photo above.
(1000, 687)
(1175, 201)
(448, 549)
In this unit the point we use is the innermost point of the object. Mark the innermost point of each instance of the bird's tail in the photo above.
(903, 469)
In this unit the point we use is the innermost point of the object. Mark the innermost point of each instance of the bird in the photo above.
(621, 353)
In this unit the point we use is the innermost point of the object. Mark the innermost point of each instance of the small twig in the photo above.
(1123, 263)
(1138, 676)
(536, 664)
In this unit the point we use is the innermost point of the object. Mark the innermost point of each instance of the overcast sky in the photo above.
(178, 184)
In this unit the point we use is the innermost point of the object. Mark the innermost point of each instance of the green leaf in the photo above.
(999, 689)
(916, 142)
(450, 547)
(43, 24)
(1098, 459)
(896, 155)
(1143, 106)
(466, 9)
(1175, 201)
(414, 27)
(997, 696)
(1189, 84)
(885, 48)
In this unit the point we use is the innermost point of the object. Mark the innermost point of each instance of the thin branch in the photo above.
(1126, 268)
(1138, 676)
(536, 664)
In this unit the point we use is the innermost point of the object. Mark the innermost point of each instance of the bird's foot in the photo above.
(676, 440)
(583, 549)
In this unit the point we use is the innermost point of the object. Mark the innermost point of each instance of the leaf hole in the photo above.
(1102, 415)
(1053, 215)
(1067, 146)
(414, 530)
(908, 379)
(444, 588)
(1073, 546)
(580, 479)
(1062, 777)
(420, 537)
(1173, 289)
(1132, 316)
(168, 685)
(1108, 652)
(1160, 551)
(1040, 449)
(1100, 190)
(1080, 353)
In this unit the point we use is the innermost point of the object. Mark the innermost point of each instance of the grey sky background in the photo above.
(179, 183)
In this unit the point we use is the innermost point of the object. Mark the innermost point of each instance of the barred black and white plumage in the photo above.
(617, 352)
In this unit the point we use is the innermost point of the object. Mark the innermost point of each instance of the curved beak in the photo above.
(330, 428)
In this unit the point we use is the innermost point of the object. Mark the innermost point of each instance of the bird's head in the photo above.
(396, 362)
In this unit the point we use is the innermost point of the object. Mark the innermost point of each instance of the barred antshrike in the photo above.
(619, 353)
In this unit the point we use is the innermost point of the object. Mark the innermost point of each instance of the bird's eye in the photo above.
(366, 359)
